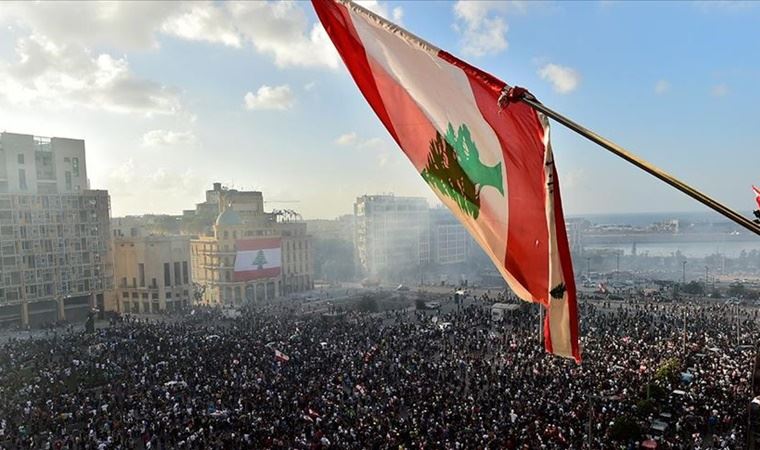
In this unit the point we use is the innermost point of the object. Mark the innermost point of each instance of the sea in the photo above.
(730, 248)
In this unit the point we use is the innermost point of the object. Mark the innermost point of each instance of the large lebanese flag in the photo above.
(257, 258)
(492, 166)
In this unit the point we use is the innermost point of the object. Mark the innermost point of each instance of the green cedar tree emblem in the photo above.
(454, 169)
(260, 260)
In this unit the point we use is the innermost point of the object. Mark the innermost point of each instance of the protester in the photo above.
(389, 380)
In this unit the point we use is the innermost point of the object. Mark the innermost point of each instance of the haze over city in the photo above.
(172, 96)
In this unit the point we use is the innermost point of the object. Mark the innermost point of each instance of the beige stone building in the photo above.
(55, 260)
(152, 274)
(251, 255)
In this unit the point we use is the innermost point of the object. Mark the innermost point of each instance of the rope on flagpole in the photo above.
(646, 166)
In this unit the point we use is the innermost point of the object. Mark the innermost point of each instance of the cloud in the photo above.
(310, 86)
(203, 22)
(272, 98)
(281, 30)
(63, 76)
(123, 25)
(130, 181)
(351, 139)
(346, 138)
(719, 90)
(661, 87)
(381, 9)
(163, 138)
(563, 79)
(482, 30)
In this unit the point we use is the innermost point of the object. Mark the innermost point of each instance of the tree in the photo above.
(625, 428)
(694, 288)
(368, 304)
(260, 260)
(454, 169)
(737, 290)
(668, 369)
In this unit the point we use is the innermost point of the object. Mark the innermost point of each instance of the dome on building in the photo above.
(229, 217)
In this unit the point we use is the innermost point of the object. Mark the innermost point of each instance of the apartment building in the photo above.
(391, 233)
(55, 259)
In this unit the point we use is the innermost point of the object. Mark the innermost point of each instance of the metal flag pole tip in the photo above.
(512, 94)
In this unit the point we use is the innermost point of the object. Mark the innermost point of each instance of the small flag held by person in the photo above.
(281, 357)
(485, 154)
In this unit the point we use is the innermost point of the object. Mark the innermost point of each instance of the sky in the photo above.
(171, 96)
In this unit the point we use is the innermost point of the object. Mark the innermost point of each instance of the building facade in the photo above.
(152, 274)
(450, 242)
(55, 258)
(391, 233)
(242, 227)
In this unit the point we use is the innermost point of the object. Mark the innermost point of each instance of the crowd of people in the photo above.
(277, 377)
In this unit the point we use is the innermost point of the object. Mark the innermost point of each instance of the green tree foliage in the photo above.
(368, 304)
(260, 260)
(694, 288)
(668, 370)
(454, 169)
(737, 290)
(625, 428)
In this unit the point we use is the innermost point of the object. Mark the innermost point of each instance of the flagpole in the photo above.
(646, 166)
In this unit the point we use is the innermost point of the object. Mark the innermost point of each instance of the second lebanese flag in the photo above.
(492, 167)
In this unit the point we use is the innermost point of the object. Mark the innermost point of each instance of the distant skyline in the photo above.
(171, 96)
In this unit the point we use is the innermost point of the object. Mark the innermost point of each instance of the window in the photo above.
(167, 275)
(141, 273)
(68, 180)
(153, 283)
(177, 279)
(144, 295)
(21, 158)
(134, 282)
(75, 166)
(125, 294)
(168, 295)
(22, 179)
(184, 272)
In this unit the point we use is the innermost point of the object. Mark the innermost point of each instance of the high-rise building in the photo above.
(152, 274)
(450, 242)
(251, 255)
(391, 234)
(55, 259)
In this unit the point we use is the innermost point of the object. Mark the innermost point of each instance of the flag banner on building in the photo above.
(491, 165)
(280, 356)
(257, 258)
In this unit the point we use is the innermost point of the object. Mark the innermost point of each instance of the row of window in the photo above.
(181, 276)
(153, 295)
